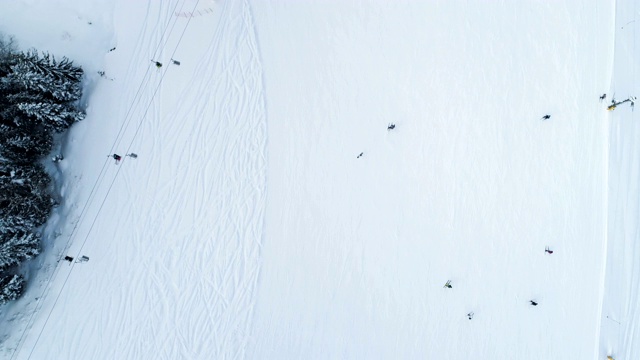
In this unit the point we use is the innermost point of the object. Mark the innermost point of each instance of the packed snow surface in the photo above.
(271, 214)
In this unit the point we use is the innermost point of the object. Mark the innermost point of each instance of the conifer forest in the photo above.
(39, 99)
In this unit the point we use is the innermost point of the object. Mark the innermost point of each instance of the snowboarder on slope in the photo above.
(546, 117)
(391, 126)
(117, 158)
(548, 251)
(533, 303)
(604, 96)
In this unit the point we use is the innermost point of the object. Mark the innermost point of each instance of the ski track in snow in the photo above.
(620, 315)
(201, 134)
(223, 163)
(200, 177)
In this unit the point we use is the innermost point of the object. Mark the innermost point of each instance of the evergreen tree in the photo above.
(43, 90)
(17, 247)
(55, 80)
(24, 194)
(31, 208)
(58, 117)
(23, 146)
(38, 96)
(11, 287)
(15, 223)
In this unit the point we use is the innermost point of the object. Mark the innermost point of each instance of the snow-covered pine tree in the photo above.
(33, 177)
(38, 95)
(16, 247)
(25, 195)
(17, 201)
(11, 287)
(15, 223)
(45, 90)
(58, 81)
(25, 145)
(57, 117)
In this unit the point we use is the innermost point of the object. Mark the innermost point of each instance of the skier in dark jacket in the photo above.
(546, 117)
(533, 303)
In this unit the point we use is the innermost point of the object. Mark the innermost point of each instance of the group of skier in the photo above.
(631, 100)
(390, 127)
(470, 315)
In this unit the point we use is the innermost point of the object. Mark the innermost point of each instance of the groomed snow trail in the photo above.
(470, 186)
(175, 279)
(620, 320)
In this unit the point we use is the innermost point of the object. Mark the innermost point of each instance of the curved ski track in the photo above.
(216, 182)
(185, 259)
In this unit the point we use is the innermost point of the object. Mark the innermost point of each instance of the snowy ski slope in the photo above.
(248, 227)
(619, 317)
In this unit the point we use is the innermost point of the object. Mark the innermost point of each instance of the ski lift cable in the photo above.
(54, 273)
(134, 137)
(108, 192)
(137, 98)
(82, 216)
(175, 49)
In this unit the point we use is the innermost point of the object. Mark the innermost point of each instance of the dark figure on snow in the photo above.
(448, 284)
(175, 62)
(546, 117)
(133, 155)
(391, 126)
(117, 158)
(157, 63)
(604, 96)
(360, 155)
(533, 303)
(470, 315)
(548, 251)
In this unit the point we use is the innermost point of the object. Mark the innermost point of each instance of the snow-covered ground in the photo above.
(620, 314)
(249, 228)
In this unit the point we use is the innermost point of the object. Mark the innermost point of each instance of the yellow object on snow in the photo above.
(611, 107)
